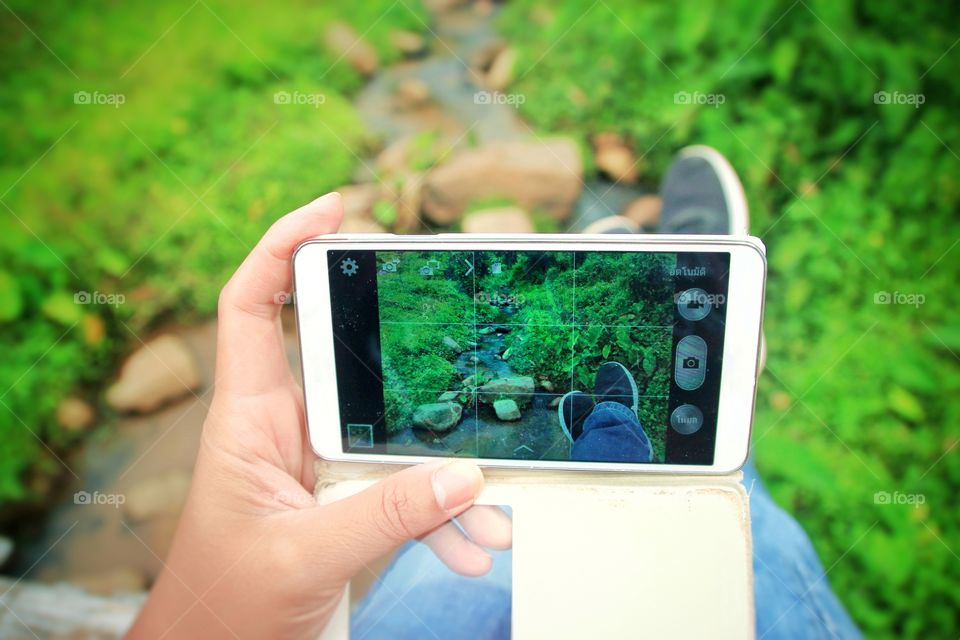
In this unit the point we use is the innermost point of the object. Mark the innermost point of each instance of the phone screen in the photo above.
(595, 356)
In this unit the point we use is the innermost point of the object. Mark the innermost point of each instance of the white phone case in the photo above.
(642, 556)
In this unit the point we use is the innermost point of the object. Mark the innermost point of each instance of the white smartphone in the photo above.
(608, 352)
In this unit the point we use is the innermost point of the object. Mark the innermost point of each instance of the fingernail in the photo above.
(456, 483)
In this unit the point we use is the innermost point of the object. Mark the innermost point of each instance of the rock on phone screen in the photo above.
(598, 356)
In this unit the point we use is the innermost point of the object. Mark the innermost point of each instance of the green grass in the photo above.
(157, 199)
(852, 198)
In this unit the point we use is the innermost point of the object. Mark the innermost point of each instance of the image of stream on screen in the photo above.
(551, 355)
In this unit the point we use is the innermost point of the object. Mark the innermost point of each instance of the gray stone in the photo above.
(453, 344)
(161, 370)
(506, 409)
(345, 43)
(438, 417)
(509, 385)
(499, 220)
(543, 175)
(448, 396)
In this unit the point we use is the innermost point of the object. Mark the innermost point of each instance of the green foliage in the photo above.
(416, 313)
(156, 199)
(853, 196)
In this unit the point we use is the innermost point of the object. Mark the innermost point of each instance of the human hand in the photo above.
(254, 556)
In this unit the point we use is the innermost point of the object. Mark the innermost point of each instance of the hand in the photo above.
(254, 556)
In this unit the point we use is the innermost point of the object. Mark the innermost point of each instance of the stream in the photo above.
(480, 433)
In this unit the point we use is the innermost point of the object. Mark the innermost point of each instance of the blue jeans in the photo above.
(612, 433)
(418, 597)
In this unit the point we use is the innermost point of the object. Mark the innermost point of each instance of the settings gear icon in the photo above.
(349, 267)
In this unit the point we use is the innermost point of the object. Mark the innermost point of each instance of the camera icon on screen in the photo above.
(691, 362)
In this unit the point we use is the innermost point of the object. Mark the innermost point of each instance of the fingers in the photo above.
(250, 354)
(410, 504)
(463, 550)
(488, 526)
(457, 552)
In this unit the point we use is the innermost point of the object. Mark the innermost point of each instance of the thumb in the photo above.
(358, 530)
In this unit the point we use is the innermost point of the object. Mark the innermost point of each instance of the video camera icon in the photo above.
(694, 304)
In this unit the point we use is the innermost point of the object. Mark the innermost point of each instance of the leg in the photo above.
(793, 596)
(418, 597)
(608, 431)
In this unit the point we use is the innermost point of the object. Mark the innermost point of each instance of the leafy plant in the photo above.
(853, 186)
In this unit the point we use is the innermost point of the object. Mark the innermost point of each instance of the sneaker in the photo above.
(615, 384)
(613, 224)
(702, 194)
(573, 410)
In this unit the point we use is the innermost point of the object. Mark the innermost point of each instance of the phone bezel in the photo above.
(740, 352)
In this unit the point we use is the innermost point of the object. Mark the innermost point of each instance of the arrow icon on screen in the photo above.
(469, 264)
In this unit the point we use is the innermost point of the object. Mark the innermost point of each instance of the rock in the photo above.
(408, 206)
(74, 414)
(555, 402)
(438, 417)
(443, 6)
(395, 157)
(780, 400)
(614, 157)
(506, 354)
(38, 610)
(543, 175)
(485, 330)
(361, 225)
(509, 385)
(448, 396)
(412, 93)
(500, 74)
(161, 495)
(547, 385)
(501, 220)
(452, 344)
(469, 381)
(506, 409)
(358, 200)
(482, 58)
(159, 371)
(123, 580)
(409, 43)
(644, 210)
(474, 359)
(344, 43)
